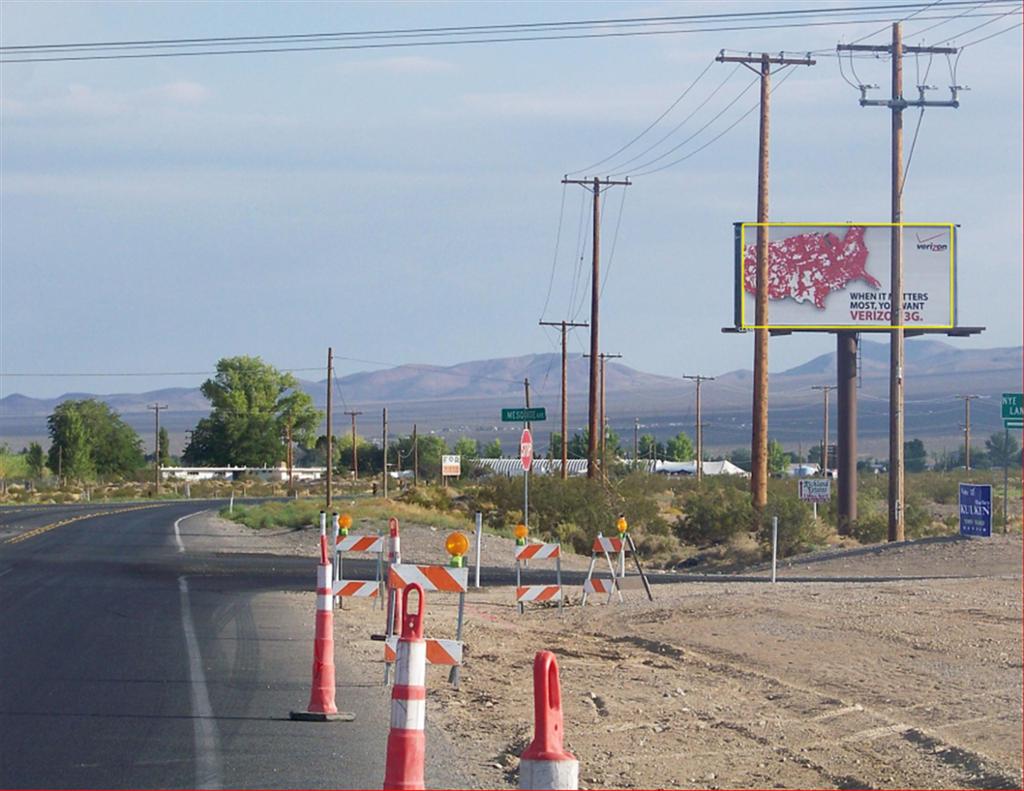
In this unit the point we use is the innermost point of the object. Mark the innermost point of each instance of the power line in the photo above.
(1016, 10)
(119, 50)
(615, 242)
(554, 261)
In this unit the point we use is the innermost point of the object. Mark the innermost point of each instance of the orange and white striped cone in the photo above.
(407, 743)
(545, 763)
(322, 707)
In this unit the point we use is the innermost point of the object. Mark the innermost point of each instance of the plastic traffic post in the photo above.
(546, 763)
(322, 707)
(407, 745)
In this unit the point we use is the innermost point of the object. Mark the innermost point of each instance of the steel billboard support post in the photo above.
(1006, 474)
(846, 431)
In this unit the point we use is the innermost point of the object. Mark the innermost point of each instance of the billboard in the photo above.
(835, 276)
(451, 466)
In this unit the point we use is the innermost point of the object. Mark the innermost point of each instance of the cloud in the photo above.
(83, 100)
(408, 64)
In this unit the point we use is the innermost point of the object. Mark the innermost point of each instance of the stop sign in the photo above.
(526, 449)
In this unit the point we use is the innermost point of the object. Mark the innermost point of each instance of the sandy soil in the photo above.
(908, 683)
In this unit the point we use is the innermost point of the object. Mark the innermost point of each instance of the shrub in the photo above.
(798, 532)
(871, 529)
(713, 514)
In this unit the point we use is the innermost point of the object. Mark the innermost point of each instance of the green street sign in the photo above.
(518, 415)
(1008, 424)
(1013, 406)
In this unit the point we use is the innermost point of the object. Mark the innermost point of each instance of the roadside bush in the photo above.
(798, 532)
(871, 528)
(713, 514)
(434, 497)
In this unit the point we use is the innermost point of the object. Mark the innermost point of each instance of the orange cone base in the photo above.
(406, 754)
(319, 716)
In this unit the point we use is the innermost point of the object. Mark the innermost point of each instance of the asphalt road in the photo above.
(125, 662)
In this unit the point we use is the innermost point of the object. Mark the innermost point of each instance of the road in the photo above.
(129, 660)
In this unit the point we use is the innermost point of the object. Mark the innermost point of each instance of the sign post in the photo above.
(526, 460)
(1013, 417)
(975, 503)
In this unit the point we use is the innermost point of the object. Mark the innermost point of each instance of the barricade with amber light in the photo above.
(546, 763)
(406, 750)
(618, 581)
(538, 593)
(349, 544)
(430, 578)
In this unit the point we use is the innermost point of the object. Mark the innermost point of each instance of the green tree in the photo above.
(777, 457)
(467, 448)
(35, 459)
(679, 448)
(741, 458)
(649, 447)
(164, 441)
(915, 457)
(492, 450)
(252, 405)
(1003, 449)
(429, 452)
(89, 438)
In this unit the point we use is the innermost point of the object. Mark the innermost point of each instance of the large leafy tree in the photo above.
(680, 448)
(915, 456)
(1003, 449)
(35, 459)
(253, 407)
(89, 438)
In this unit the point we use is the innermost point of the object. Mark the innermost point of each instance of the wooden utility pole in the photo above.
(330, 409)
(384, 434)
(355, 452)
(699, 434)
(156, 444)
(288, 454)
(967, 427)
(415, 457)
(897, 104)
(594, 185)
(565, 325)
(636, 442)
(759, 434)
(825, 389)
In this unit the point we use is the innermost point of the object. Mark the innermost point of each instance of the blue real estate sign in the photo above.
(975, 509)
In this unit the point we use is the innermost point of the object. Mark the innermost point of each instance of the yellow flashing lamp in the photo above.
(622, 525)
(344, 523)
(521, 532)
(456, 545)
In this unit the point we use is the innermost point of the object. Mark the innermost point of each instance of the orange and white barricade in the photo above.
(431, 578)
(538, 593)
(619, 581)
(343, 545)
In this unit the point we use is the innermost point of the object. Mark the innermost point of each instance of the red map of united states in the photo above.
(810, 266)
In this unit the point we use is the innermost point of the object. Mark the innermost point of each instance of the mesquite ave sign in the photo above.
(836, 276)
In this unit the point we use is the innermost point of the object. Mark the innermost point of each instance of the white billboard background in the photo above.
(838, 276)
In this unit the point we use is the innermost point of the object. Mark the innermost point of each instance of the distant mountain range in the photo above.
(465, 399)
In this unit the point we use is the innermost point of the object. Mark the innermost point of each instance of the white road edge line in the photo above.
(204, 728)
(177, 528)
(7, 571)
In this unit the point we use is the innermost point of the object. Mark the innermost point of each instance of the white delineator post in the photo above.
(545, 763)
(406, 749)
(393, 611)
(479, 540)
(775, 543)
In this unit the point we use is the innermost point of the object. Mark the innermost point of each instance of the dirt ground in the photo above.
(851, 681)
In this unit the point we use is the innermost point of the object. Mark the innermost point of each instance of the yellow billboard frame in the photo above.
(849, 327)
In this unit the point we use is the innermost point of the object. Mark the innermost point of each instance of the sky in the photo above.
(404, 205)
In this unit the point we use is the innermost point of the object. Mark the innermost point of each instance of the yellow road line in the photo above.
(54, 525)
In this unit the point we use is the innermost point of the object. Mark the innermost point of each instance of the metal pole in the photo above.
(526, 497)
(384, 426)
(896, 522)
(775, 544)
(415, 456)
(330, 438)
(1006, 466)
(479, 540)
(846, 433)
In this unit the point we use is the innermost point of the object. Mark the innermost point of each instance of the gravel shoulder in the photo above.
(913, 683)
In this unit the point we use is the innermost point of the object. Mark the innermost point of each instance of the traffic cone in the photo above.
(545, 763)
(322, 707)
(407, 742)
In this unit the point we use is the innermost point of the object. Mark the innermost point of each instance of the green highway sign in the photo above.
(519, 415)
(1013, 410)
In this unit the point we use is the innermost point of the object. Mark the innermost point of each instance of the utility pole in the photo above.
(156, 444)
(384, 434)
(288, 454)
(967, 427)
(330, 403)
(415, 457)
(825, 390)
(594, 185)
(897, 104)
(636, 442)
(355, 453)
(565, 325)
(601, 408)
(699, 436)
(759, 434)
